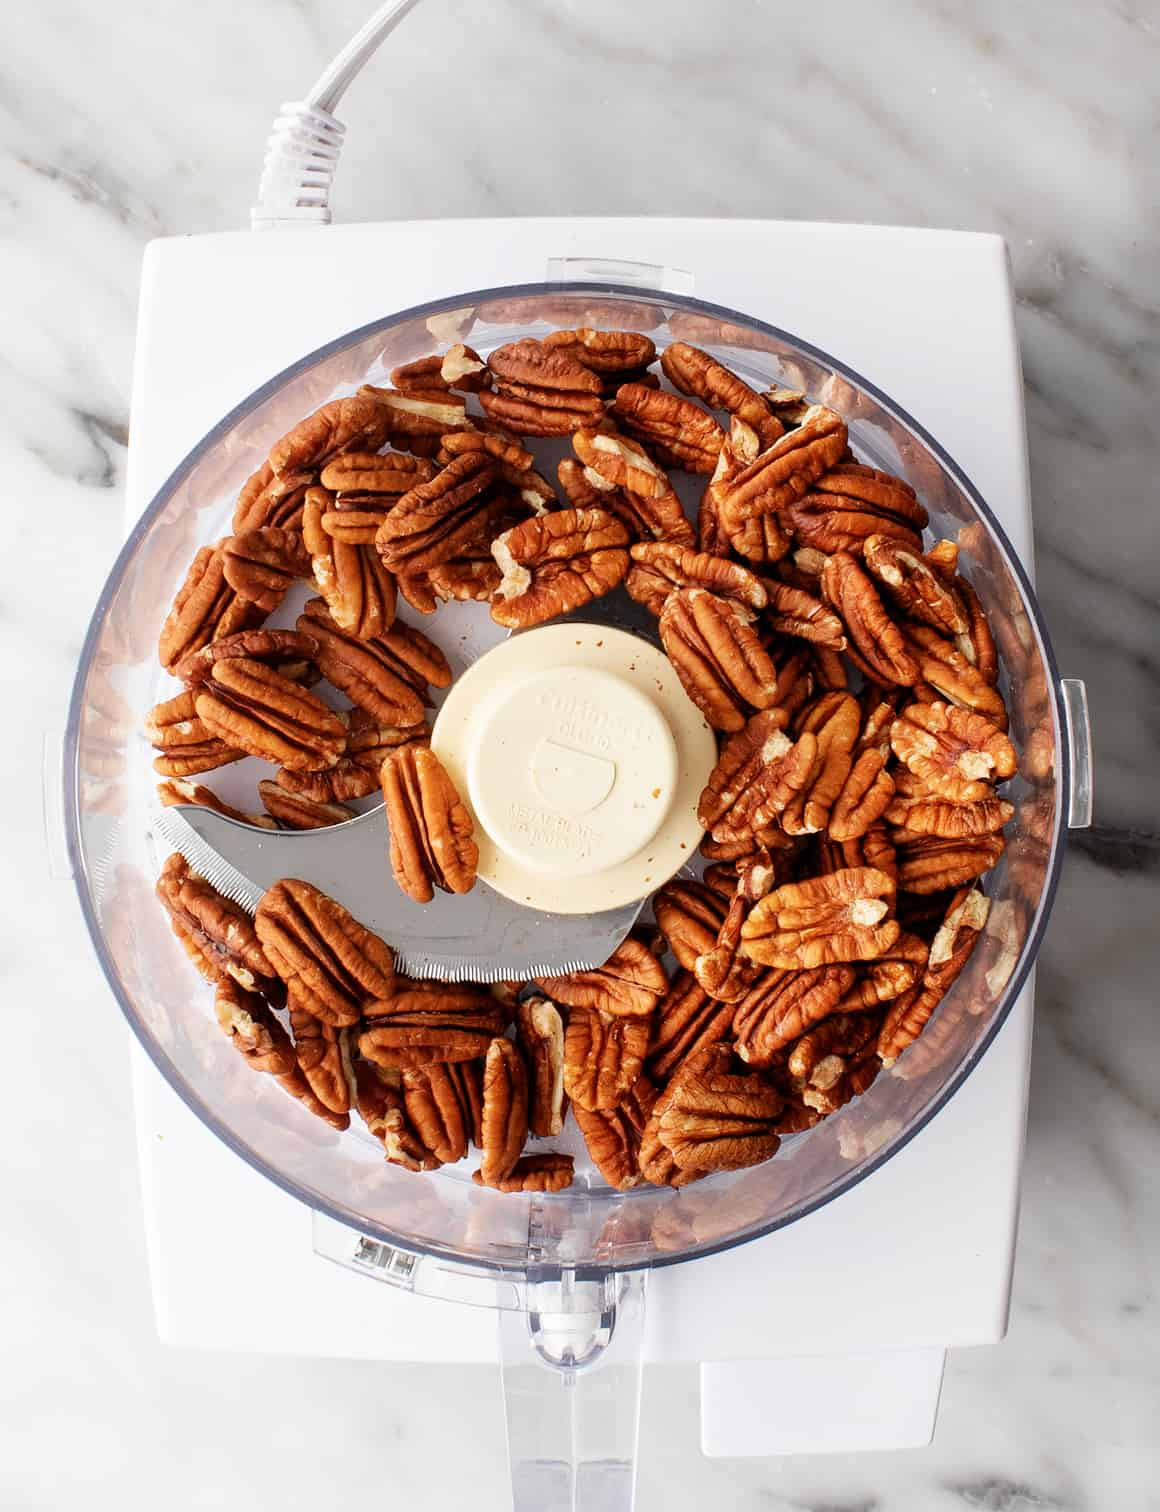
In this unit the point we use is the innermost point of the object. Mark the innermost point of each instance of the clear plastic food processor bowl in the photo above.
(567, 1270)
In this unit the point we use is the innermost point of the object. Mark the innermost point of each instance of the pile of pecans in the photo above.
(847, 666)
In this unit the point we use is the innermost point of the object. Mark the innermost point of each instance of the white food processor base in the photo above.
(914, 1260)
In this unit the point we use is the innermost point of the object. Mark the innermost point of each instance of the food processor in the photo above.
(819, 1323)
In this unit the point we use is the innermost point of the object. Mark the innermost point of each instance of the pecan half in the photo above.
(951, 675)
(919, 590)
(253, 1030)
(540, 391)
(793, 611)
(622, 463)
(204, 608)
(718, 657)
(331, 964)
(358, 424)
(505, 1111)
(978, 644)
(356, 773)
(376, 477)
(603, 1056)
(929, 815)
(687, 1020)
(689, 915)
(930, 864)
(418, 418)
(458, 368)
(431, 829)
(661, 567)
(865, 796)
(499, 444)
(782, 1005)
(613, 1135)
(378, 1097)
(956, 939)
(758, 773)
(444, 1104)
(217, 935)
(185, 745)
(540, 1031)
(875, 637)
(694, 372)
(262, 565)
(255, 709)
(554, 563)
(722, 970)
(834, 721)
(297, 811)
(267, 500)
(955, 753)
(300, 1089)
(680, 433)
(389, 676)
(318, 1049)
(359, 591)
(603, 351)
(659, 517)
(287, 651)
(851, 502)
(549, 1172)
(841, 916)
(654, 1158)
(875, 848)
(715, 1120)
(782, 473)
(629, 984)
(855, 1077)
(426, 1023)
(820, 1056)
(434, 520)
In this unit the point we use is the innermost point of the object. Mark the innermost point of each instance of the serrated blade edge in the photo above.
(206, 861)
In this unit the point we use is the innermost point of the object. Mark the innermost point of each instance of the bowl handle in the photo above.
(571, 1384)
(616, 270)
(1078, 734)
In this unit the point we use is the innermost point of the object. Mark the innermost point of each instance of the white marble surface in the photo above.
(122, 123)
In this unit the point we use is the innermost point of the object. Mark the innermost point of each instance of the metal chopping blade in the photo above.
(477, 936)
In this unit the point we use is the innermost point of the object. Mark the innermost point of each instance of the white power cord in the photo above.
(304, 145)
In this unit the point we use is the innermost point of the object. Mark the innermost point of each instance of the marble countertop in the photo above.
(125, 123)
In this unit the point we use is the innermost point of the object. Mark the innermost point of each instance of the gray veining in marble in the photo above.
(1038, 120)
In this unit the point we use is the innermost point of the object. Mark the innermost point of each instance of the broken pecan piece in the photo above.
(549, 1172)
(782, 1005)
(287, 651)
(554, 563)
(757, 775)
(358, 424)
(204, 608)
(418, 418)
(659, 517)
(177, 791)
(253, 1030)
(540, 1033)
(661, 567)
(955, 753)
(834, 721)
(679, 432)
(216, 934)
(603, 351)
(951, 675)
(629, 984)
(331, 964)
(318, 1049)
(820, 1056)
(930, 864)
(357, 772)
(865, 796)
(425, 1023)
(956, 939)
(793, 611)
(851, 502)
(687, 1020)
(505, 1111)
(300, 1089)
(444, 1104)
(694, 372)
(722, 970)
(388, 676)
(875, 637)
(431, 829)
(185, 745)
(715, 1120)
(357, 588)
(841, 916)
(255, 709)
(603, 1056)
(689, 915)
(458, 368)
(782, 473)
(262, 565)
(379, 1099)
(613, 1135)
(434, 520)
(717, 655)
